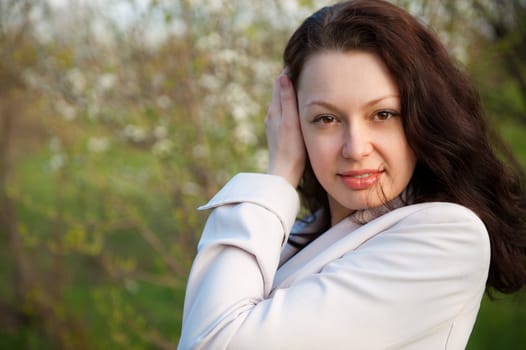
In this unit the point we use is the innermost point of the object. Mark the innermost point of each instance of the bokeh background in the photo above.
(118, 118)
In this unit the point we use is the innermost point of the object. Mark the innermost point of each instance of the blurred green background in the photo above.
(118, 118)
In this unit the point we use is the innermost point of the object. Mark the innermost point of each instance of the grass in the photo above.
(115, 312)
(500, 324)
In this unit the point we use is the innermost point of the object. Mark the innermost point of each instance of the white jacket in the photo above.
(410, 279)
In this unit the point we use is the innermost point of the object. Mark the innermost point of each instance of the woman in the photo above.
(386, 140)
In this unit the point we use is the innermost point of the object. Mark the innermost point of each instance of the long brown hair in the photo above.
(459, 159)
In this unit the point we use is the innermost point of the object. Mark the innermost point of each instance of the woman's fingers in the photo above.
(274, 109)
(285, 141)
(288, 100)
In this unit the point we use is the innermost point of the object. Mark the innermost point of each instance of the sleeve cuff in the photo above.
(269, 191)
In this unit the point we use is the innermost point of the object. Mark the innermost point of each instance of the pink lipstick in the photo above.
(360, 179)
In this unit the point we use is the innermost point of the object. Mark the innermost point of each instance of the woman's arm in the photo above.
(423, 276)
(237, 257)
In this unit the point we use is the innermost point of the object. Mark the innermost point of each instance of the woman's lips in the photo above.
(360, 179)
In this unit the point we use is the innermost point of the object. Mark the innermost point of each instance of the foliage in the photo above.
(117, 120)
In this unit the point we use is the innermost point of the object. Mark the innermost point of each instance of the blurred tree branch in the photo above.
(507, 21)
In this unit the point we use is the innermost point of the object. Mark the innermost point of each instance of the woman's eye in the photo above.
(325, 119)
(384, 115)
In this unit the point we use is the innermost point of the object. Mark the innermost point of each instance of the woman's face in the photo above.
(349, 109)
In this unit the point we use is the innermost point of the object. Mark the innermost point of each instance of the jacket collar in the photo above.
(341, 238)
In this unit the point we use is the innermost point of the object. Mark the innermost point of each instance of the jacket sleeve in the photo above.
(237, 257)
(402, 284)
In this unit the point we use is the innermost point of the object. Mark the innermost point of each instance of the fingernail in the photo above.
(284, 81)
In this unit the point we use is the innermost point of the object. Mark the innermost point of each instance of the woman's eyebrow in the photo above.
(380, 99)
(325, 104)
(335, 109)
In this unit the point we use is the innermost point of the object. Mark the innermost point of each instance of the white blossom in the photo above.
(239, 112)
(57, 161)
(163, 102)
(179, 27)
(162, 147)
(228, 56)
(131, 285)
(261, 159)
(106, 82)
(210, 82)
(265, 70)
(135, 133)
(98, 144)
(240, 103)
(160, 132)
(77, 80)
(65, 110)
(244, 133)
(210, 42)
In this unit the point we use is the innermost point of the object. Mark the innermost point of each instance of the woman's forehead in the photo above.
(355, 75)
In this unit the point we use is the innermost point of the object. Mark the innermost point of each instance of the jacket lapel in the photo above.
(333, 244)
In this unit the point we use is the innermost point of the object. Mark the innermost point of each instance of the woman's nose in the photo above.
(356, 143)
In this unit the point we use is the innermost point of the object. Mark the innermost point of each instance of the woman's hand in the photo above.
(285, 141)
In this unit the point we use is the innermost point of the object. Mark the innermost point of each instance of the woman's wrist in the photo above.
(292, 174)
